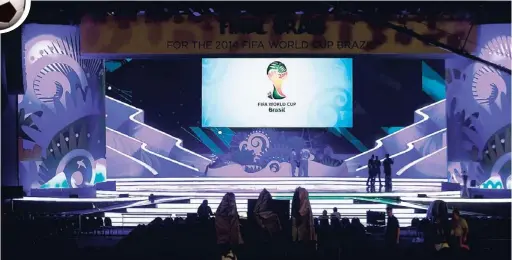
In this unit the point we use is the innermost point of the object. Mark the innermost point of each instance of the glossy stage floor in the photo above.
(250, 187)
(127, 204)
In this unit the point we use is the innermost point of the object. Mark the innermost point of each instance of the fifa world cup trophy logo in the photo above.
(277, 73)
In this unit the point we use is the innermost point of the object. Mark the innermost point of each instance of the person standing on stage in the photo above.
(376, 167)
(370, 171)
(293, 162)
(304, 163)
(387, 172)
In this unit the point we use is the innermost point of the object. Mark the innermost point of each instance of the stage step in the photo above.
(190, 186)
(275, 194)
(346, 207)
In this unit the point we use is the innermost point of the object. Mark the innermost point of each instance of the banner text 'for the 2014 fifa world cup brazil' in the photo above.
(268, 45)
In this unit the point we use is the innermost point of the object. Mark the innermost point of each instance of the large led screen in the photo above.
(274, 92)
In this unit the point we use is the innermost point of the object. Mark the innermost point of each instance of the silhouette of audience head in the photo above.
(377, 158)
(334, 209)
(387, 155)
(456, 214)
(324, 213)
(205, 202)
(227, 206)
(389, 211)
(373, 156)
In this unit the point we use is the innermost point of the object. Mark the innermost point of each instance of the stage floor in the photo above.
(249, 186)
(127, 202)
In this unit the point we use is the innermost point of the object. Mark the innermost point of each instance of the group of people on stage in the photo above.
(374, 171)
(299, 162)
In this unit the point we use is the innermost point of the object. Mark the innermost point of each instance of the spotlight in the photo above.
(299, 12)
(330, 9)
(211, 10)
(194, 12)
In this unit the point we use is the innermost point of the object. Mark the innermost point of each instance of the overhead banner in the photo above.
(251, 35)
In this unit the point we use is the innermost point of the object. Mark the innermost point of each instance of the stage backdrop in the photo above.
(146, 101)
(61, 116)
(478, 111)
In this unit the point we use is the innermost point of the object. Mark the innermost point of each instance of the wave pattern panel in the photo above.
(431, 165)
(398, 142)
(416, 150)
(129, 120)
(122, 165)
(163, 166)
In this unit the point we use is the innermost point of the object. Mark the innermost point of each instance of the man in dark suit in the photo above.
(294, 162)
(387, 172)
(370, 171)
(376, 167)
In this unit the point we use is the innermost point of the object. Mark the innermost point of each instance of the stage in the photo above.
(126, 200)
(248, 186)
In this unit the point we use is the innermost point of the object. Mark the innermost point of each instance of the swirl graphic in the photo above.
(488, 83)
(274, 166)
(66, 92)
(499, 50)
(257, 143)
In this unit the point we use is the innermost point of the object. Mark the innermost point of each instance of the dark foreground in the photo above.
(58, 238)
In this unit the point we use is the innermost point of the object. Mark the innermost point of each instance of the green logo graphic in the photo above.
(277, 73)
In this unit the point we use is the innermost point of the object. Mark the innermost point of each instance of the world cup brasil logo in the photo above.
(277, 73)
